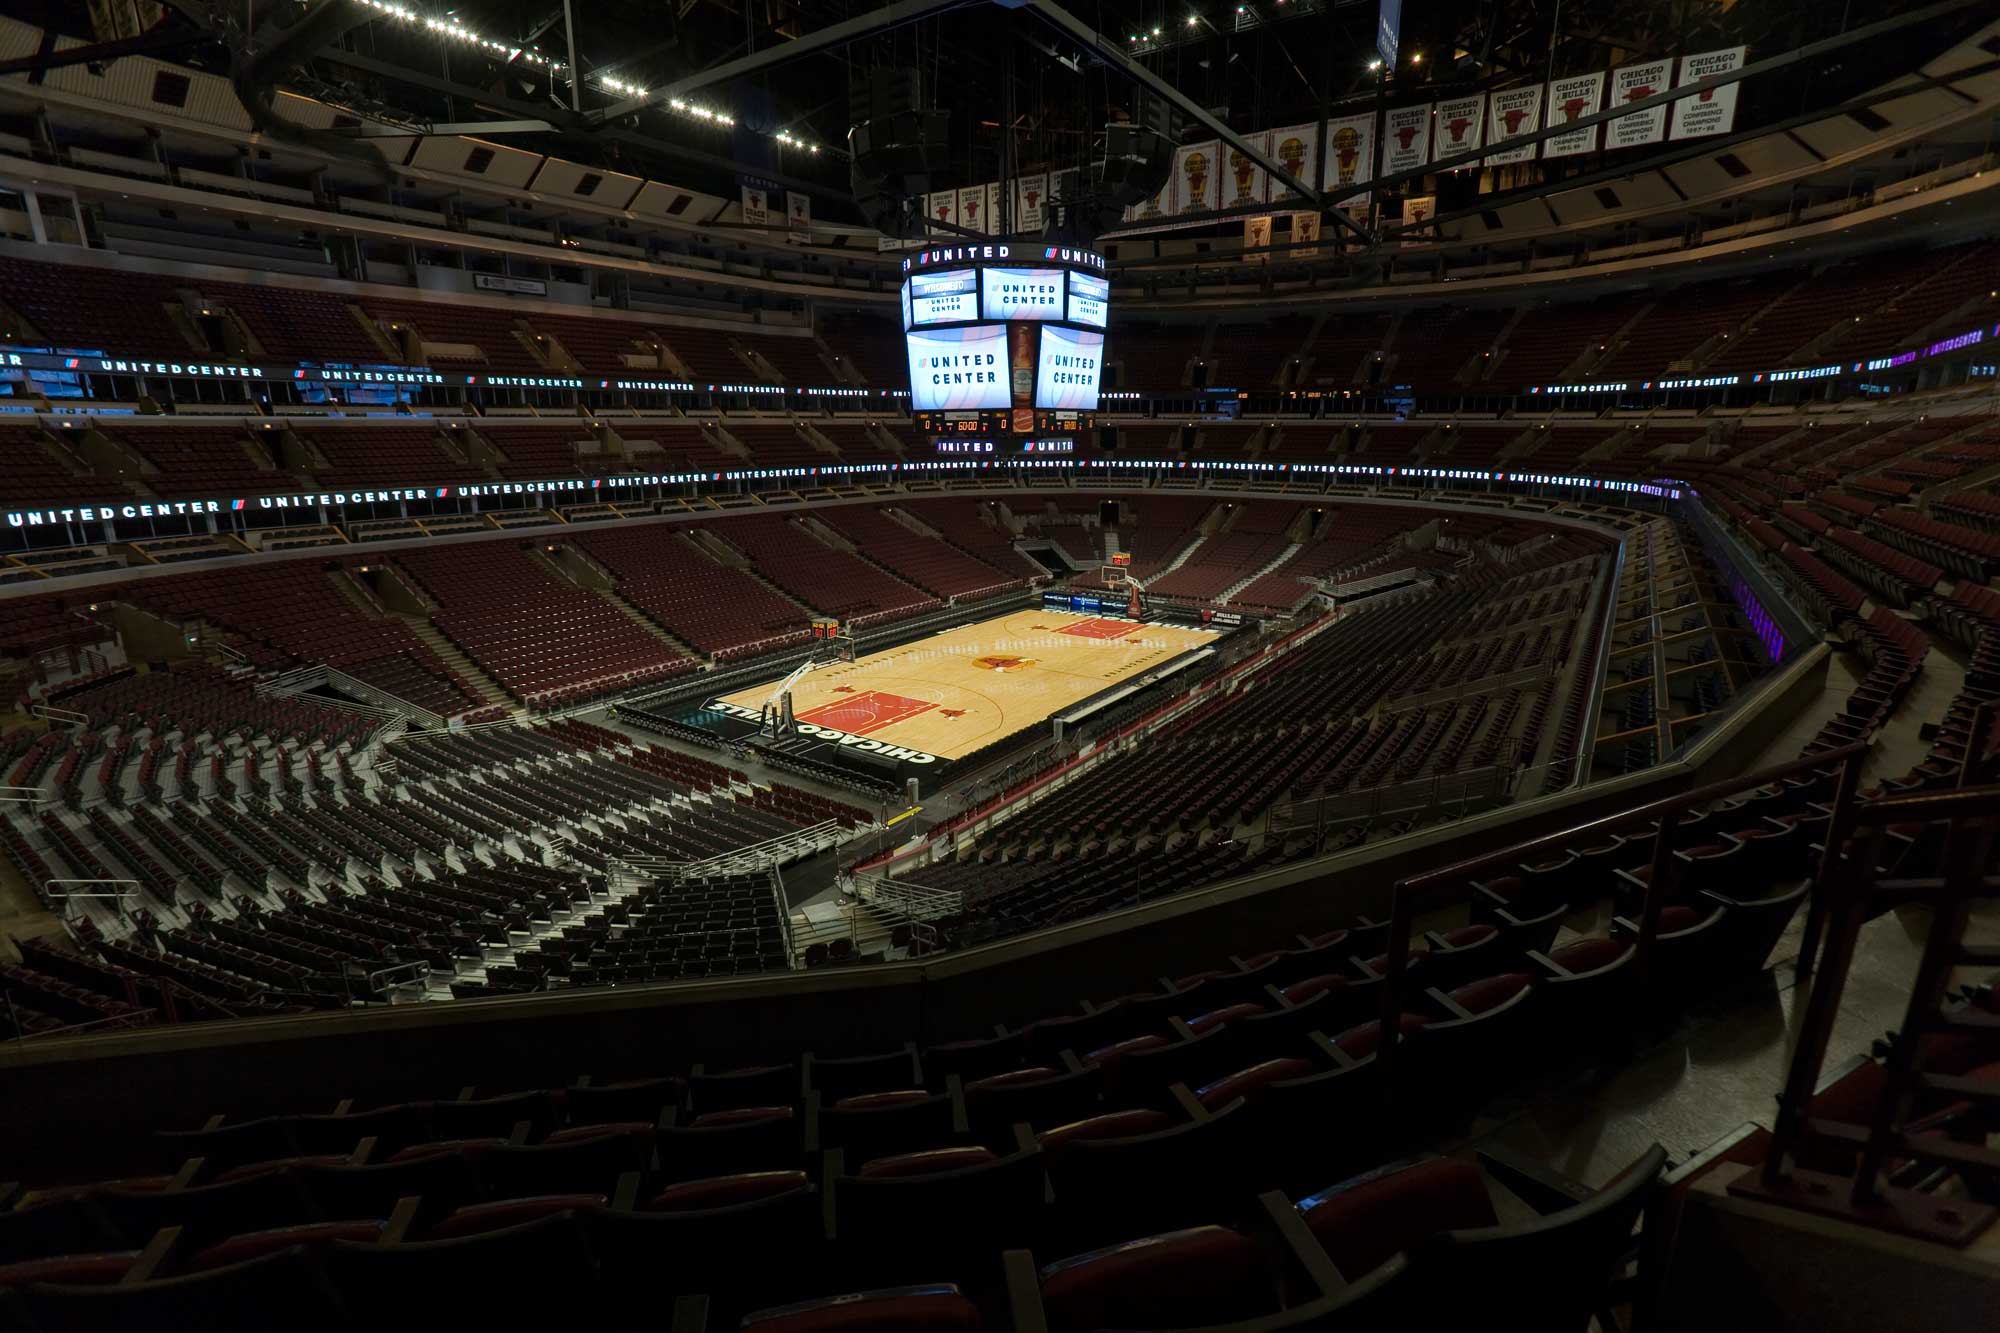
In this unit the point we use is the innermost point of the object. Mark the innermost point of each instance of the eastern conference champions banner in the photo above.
(1069, 369)
(954, 370)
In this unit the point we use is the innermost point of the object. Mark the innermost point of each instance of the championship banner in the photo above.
(1350, 155)
(756, 207)
(1633, 83)
(1196, 183)
(1573, 98)
(1406, 138)
(972, 207)
(944, 206)
(1512, 113)
(1712, 111)
(1305, 235)
(1247, 182)
(1293, 148)
(1460, 129)
(1031, 198)
(799, 215)
(1417, 210)
(1257, 238)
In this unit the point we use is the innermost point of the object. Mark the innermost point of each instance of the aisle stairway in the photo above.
(483, 685)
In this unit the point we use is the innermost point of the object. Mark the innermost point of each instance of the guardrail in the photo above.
(68, 717)
(917, 901)
(1464, 787)
(67, 896)
(26, 795)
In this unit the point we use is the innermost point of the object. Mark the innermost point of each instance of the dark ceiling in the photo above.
(1260, 63)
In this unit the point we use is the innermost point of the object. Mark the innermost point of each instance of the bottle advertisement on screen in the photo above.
(1069, 369)
(1089, 300)
(954, 370)
(1021, 293)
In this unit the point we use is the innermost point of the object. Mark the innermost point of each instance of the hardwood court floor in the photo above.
(955, 691)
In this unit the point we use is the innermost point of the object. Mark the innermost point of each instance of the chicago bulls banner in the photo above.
(1419, 209)
(1713, 111)
(1460, 129)
(1305, 235)
(1406, 138)
(1031, 200)
(1293, 148)
(972, 207)
(1257, 238)
(1245, 182)
(1350, 156)
(1513, 113)
(1197, 178)
(1632, 83)
(943, 206)
(1573, 98)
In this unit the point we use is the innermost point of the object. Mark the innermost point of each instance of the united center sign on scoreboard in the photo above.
(1005, 326)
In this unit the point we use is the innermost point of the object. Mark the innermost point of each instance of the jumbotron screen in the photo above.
(1005, 327)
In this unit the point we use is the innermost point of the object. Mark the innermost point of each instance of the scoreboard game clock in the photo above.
(1012, 330)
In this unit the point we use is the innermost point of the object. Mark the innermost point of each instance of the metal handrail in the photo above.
(67, 716)
(1413, 892)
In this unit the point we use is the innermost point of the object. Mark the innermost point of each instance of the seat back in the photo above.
(1549, 1274)
(514, 1277)
(284, 1290)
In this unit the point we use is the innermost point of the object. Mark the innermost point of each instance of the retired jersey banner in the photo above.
(1512, 113)
(799, 215)
(1031, 201)
(1294, 149)
(1406, 138)
(1713, 110)
(756, 206)
(1570, 99)
(1459, 129)
(1634, 83)
(1350, 155)
(1197, 179)
(1246, 182)
(1305, 235)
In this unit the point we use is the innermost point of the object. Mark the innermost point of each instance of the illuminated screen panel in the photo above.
(1021, 293)
(943, 298)
(1068, 369)
(1089, 300)
(953, 370)
(906, 307)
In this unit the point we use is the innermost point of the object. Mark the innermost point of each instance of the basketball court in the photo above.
(951, 693)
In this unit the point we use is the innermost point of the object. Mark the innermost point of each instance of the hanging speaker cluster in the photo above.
(896, 147)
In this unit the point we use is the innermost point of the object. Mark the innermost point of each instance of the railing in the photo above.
(916, 901)
(1462, 788)
(143, 1018)
(68, 717)
(1419, 893)
(22, 795)
(67, 896)
(1851, 889)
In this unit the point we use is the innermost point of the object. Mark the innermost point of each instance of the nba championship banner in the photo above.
(944, 206)
(1197, 179)
(1406, 138)
(1031, 200)
(1634, 83)
(1294, 148)
(1350, 155)
(799, 216)
(756, 206)
(1712, 111)
(1570, 99)
(1257, 238)
(1460, 129)
(1305, 235)
(972, 207)
(1512, 113)
(1247, 182)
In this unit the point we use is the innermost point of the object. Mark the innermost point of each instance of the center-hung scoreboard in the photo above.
(1005, 344)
